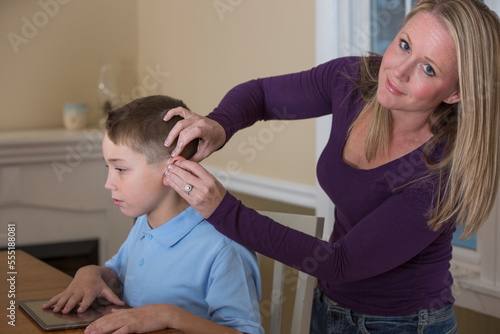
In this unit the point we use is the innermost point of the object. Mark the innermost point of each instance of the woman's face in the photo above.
(419, 69)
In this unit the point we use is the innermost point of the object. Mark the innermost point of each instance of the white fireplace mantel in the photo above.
(48, 145)
(52, 189)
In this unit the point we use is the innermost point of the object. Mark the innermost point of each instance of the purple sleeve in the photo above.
(388, 237)
(293, 96)
(391, 232)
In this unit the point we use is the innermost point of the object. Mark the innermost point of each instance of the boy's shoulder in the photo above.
(206, 237)
(190, 232)
(209, 234)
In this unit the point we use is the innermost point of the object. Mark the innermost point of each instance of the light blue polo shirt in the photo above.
(188, 263)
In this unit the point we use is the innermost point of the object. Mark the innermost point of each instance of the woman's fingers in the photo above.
(205, 193)
(189, 118)
(177, 178)
(210, 133)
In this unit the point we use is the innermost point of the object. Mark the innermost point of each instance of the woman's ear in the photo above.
(453, 98)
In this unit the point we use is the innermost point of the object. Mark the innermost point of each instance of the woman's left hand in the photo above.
(206, 191)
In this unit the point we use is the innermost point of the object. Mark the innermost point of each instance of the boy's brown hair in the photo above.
(140, 126)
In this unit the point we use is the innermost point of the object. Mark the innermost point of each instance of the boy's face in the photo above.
(136, 186)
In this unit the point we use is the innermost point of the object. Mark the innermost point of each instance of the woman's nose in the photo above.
(402, 70)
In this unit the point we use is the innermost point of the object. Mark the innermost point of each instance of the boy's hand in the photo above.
(155, 317)
(90, 282)
(142, 319)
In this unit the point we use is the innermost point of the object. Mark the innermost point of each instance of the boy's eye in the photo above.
(404, 45)
(119, 170)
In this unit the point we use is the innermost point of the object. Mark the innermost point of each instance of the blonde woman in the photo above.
(413, 153)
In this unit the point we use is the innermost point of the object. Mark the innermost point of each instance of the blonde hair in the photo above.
(468, 170)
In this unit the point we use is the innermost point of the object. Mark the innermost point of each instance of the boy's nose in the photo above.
(109, 185)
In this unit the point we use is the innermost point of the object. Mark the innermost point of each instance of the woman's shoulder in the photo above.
(345, 66)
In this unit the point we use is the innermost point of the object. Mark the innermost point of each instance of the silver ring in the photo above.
(188, 188)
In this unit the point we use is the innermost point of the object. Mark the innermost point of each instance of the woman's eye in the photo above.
(120, 170)
(404, 45)
(429, 70)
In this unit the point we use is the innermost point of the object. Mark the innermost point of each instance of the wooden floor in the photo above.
(470, 322)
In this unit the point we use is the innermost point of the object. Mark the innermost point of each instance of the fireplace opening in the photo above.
(68, 257)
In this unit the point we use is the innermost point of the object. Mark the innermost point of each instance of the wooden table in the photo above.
(33, 279)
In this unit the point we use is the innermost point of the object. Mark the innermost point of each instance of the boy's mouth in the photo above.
(117, 202)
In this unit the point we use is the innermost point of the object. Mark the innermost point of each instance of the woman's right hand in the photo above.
(211, 133)
(206, 191)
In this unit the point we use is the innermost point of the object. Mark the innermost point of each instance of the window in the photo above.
(385, 21)
(352, 28)
(470, 243)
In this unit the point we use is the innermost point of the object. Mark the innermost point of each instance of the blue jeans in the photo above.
(330, 318)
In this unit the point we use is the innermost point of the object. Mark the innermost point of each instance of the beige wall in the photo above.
(207, 50)
(189, 49)
(54, 53)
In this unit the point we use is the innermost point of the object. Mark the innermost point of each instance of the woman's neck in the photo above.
(410, 123)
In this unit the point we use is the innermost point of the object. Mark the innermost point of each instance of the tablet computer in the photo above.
(53, 321)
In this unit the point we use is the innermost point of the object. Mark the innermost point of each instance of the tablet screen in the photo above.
(51, 321)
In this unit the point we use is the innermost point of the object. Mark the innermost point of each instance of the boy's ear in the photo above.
(174, 159)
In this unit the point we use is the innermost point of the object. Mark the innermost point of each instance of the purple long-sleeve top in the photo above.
(382, 258)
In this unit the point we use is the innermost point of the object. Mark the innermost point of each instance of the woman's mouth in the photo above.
(391, 88)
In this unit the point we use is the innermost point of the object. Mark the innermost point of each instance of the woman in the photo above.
(413, 153)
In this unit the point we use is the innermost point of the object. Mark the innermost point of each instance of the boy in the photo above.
(175, 270)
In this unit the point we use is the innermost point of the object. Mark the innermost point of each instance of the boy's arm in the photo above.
(190, 323)
(155, 317)
(234, 290)
(89, 283)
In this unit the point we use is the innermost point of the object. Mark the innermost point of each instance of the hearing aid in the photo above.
(171, 160)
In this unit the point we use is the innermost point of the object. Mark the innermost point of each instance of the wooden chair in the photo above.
(301, 318)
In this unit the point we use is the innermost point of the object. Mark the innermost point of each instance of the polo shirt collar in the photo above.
(171, 232)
